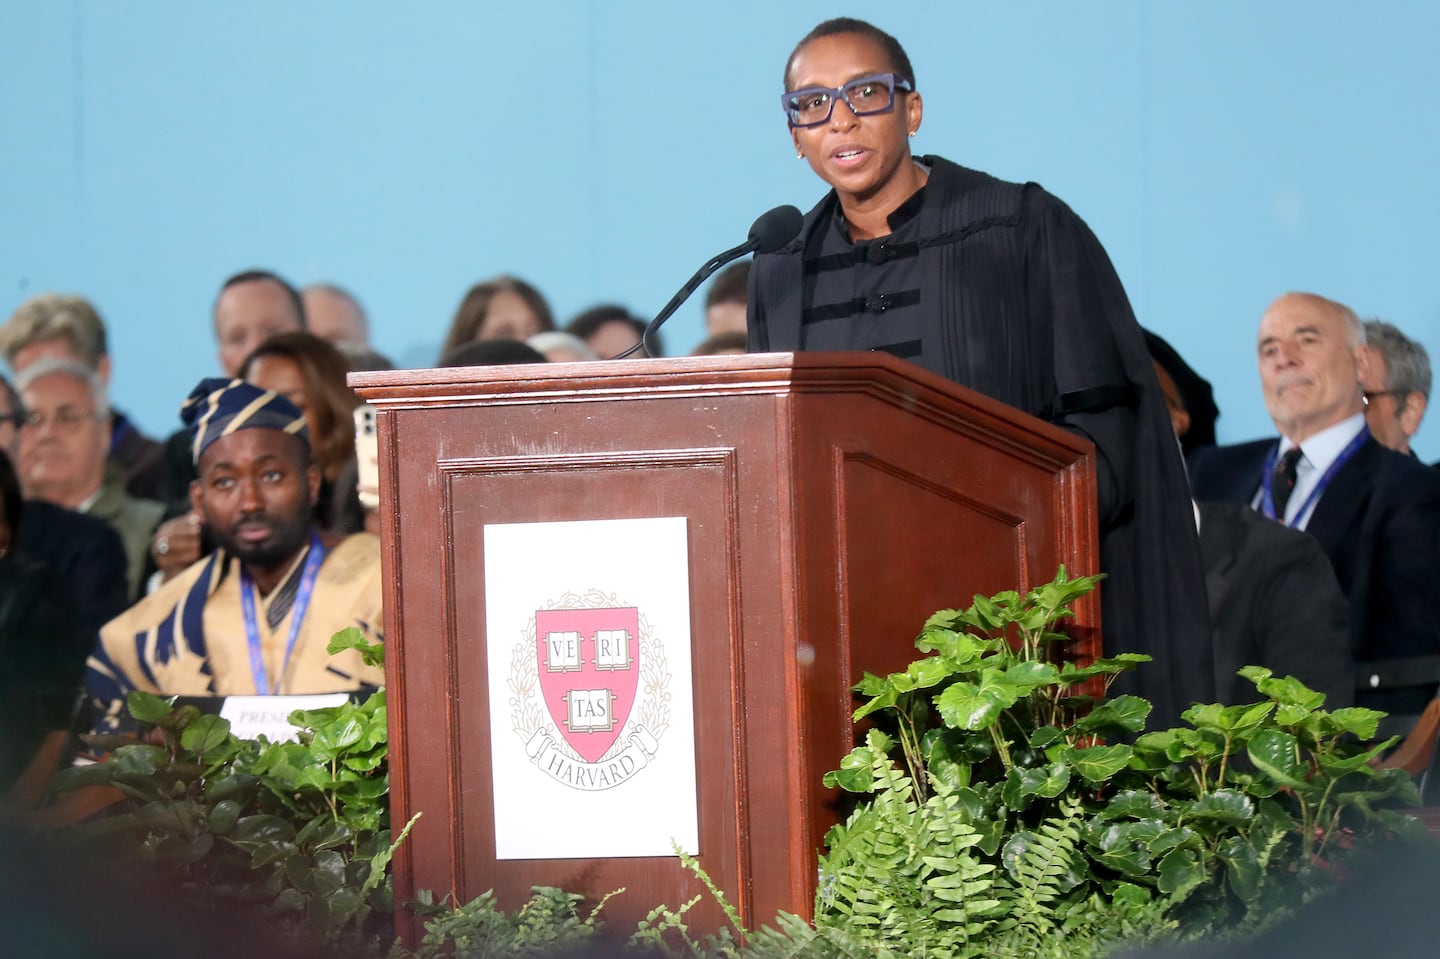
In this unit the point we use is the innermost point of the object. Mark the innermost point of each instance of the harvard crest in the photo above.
(600, 677)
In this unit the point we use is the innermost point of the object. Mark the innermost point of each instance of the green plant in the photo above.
(548, 920)
(300, 829)
(1004, 812)
(1006, 807)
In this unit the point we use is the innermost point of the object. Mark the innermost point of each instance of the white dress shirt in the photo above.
(1317, 454)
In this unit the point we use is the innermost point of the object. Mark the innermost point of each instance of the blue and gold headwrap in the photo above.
(218, 407)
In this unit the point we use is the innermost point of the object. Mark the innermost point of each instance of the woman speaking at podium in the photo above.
(1000, 287)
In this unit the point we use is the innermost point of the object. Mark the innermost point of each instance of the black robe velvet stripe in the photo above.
(1022, 304)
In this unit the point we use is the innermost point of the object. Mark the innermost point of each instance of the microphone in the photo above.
(772, 230)
(775, 228)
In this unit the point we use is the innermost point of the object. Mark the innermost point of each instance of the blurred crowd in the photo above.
(127, 561)
(182, 564)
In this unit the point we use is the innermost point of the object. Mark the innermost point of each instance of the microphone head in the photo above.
(775, 228)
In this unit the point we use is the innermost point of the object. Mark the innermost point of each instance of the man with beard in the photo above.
(256, 616)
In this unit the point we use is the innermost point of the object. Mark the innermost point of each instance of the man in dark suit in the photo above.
(1375, 512)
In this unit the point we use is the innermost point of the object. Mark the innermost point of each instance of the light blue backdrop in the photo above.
(1224, 153)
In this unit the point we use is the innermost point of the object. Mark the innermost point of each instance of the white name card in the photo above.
(253, 716)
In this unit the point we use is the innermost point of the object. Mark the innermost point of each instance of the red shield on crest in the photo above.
(589, 672)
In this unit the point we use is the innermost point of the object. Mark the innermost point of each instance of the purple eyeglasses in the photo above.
(812, 106)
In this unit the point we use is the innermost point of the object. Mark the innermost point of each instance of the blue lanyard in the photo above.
(1267, 499)
(263, 685)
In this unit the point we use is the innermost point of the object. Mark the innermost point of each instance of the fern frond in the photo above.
(1044, 864)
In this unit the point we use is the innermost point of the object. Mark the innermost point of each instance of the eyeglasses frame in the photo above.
(1402, 397)
(893, 81)
(65, 425)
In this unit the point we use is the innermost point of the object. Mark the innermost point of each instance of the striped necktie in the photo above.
(1283, 483)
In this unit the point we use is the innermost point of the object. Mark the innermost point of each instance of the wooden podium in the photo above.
(833, 501)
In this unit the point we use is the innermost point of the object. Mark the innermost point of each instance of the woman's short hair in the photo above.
(895, 53)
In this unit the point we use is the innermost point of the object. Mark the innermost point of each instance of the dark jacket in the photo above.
(1378, 521)
(86, 553)
(1274, 602)
(43, 647)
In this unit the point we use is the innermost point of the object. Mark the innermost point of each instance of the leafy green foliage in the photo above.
(549, 921)
(1006, 811)
(302, 828)
(1056, 817)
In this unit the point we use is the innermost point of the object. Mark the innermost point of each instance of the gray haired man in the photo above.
(1397, 386)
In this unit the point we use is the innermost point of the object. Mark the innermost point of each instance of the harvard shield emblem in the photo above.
(589, 667)
(589, 690)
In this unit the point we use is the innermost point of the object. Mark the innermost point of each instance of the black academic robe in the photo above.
(1023, 305)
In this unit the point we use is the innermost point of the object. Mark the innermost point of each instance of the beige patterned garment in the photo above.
(188, 638)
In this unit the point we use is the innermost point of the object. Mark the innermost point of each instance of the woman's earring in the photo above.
(799, 155)
(912, 133)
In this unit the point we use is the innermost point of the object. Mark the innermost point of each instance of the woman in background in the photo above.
(505, 308)
(310, 372)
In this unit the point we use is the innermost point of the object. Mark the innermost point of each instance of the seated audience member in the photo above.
(333, 314)
(256, 616)
(69, 327)
(722, 344)
(43, 646)
(505, 308)
(610, 330)
(1187, 394)
(310, 373)
(84, 552)
(727, 299)
(1274, 602)
(491, 353)
(63, 444)
(252, 305)
(1397, 385)
(1375, 512)
(559, 347)
(1272, 595)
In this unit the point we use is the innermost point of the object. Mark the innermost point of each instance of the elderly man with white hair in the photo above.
(64, 448)
(1375, 512)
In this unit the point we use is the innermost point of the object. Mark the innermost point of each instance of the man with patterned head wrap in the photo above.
(256, 616)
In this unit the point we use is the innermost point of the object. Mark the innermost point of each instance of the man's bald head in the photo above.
(1312, 358)
(333, 314)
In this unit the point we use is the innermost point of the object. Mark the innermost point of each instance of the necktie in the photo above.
(1283, 483)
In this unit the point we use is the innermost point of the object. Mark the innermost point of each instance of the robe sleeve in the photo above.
(1153, 599)
(1073, 284)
